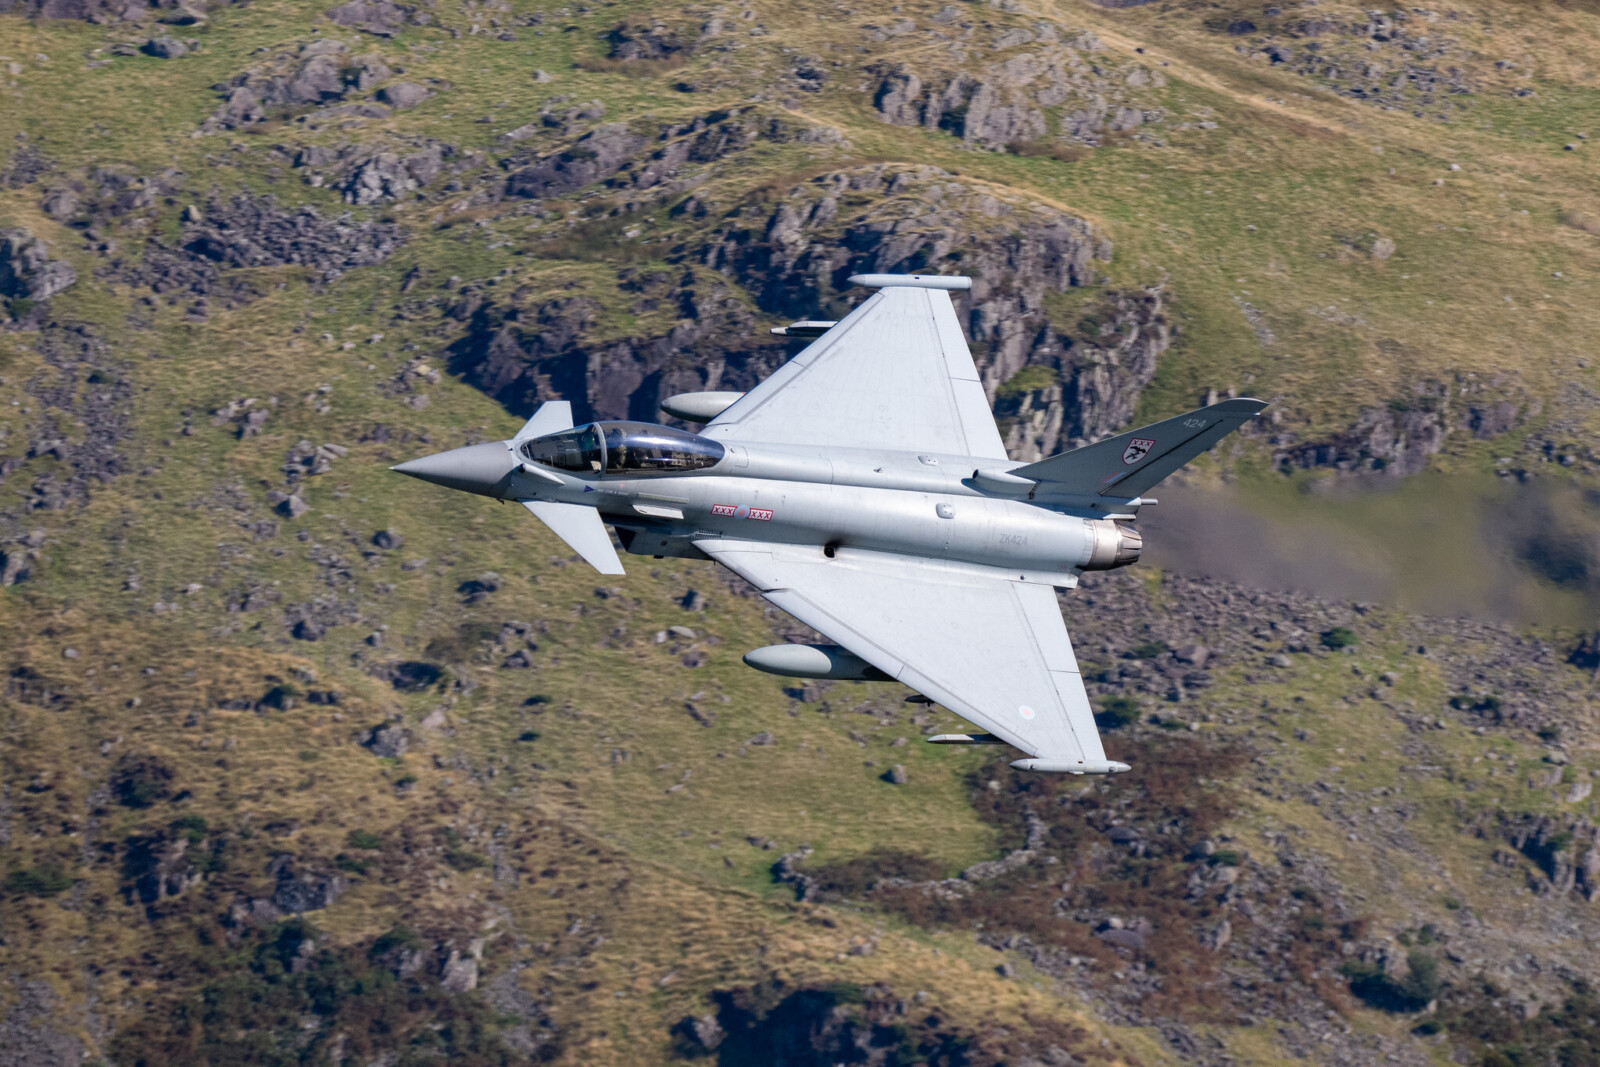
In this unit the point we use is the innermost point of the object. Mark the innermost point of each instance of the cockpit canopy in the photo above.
(623, 450)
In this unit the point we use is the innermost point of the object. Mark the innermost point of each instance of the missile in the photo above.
(966, 739)
(813, 661)
(807, 328)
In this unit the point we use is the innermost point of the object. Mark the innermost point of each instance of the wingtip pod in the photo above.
(912, 281)
(1061, 766)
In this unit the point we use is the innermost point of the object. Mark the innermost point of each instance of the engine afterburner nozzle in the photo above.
(484, 469)
(1115, 544)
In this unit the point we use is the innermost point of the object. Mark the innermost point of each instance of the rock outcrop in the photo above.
(107, 11)
(84, 402)
(794, 258)
(1397, 59)
(378, 17)
(594, 157)
(390, 175)
(1565, 851)
(255, 232)
(26, 270)
(159, 866)
(635, 40)
(1004, 104)
(524, 351)
(626, 157)
(1398, 438)
(1101, 365)
(252, 231)
(313, 75)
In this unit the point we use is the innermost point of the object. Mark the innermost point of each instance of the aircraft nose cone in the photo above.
(482, 469)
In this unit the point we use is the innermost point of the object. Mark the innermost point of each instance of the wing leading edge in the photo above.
(894, 374)
(993, 651)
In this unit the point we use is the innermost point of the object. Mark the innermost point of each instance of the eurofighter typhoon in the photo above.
(863, 489)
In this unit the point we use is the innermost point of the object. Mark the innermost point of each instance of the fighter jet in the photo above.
(863, 488)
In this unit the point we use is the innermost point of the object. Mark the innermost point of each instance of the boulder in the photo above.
(318, 79)
(60, 204)
(702, 1033)
(476, 589)
(164, 47)
(379, 177)
(241, 108)
(368, 70)
(378, 17)
(387, 741)
(389, 176)
(594, 157)
(403, 95)
(1124, 938)
(632, 42)
(460, 973)
(300, 890)
(308, 630)
(26, 270)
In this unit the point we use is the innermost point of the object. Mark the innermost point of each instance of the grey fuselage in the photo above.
(915, 504)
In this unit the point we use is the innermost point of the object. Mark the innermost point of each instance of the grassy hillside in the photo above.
(304, 762)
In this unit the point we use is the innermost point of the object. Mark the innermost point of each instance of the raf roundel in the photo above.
(1025, 711)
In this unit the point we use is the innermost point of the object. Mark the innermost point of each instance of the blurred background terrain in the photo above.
(302, 762)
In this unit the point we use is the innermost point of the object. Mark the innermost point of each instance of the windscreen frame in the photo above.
(586, 453)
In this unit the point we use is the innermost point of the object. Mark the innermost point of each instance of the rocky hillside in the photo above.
(302, 764)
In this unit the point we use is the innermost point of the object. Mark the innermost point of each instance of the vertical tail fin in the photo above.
(1132, 463)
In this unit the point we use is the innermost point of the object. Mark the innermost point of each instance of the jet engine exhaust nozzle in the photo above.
(1115, 545)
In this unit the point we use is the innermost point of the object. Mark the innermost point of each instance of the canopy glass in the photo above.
(623, 449)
